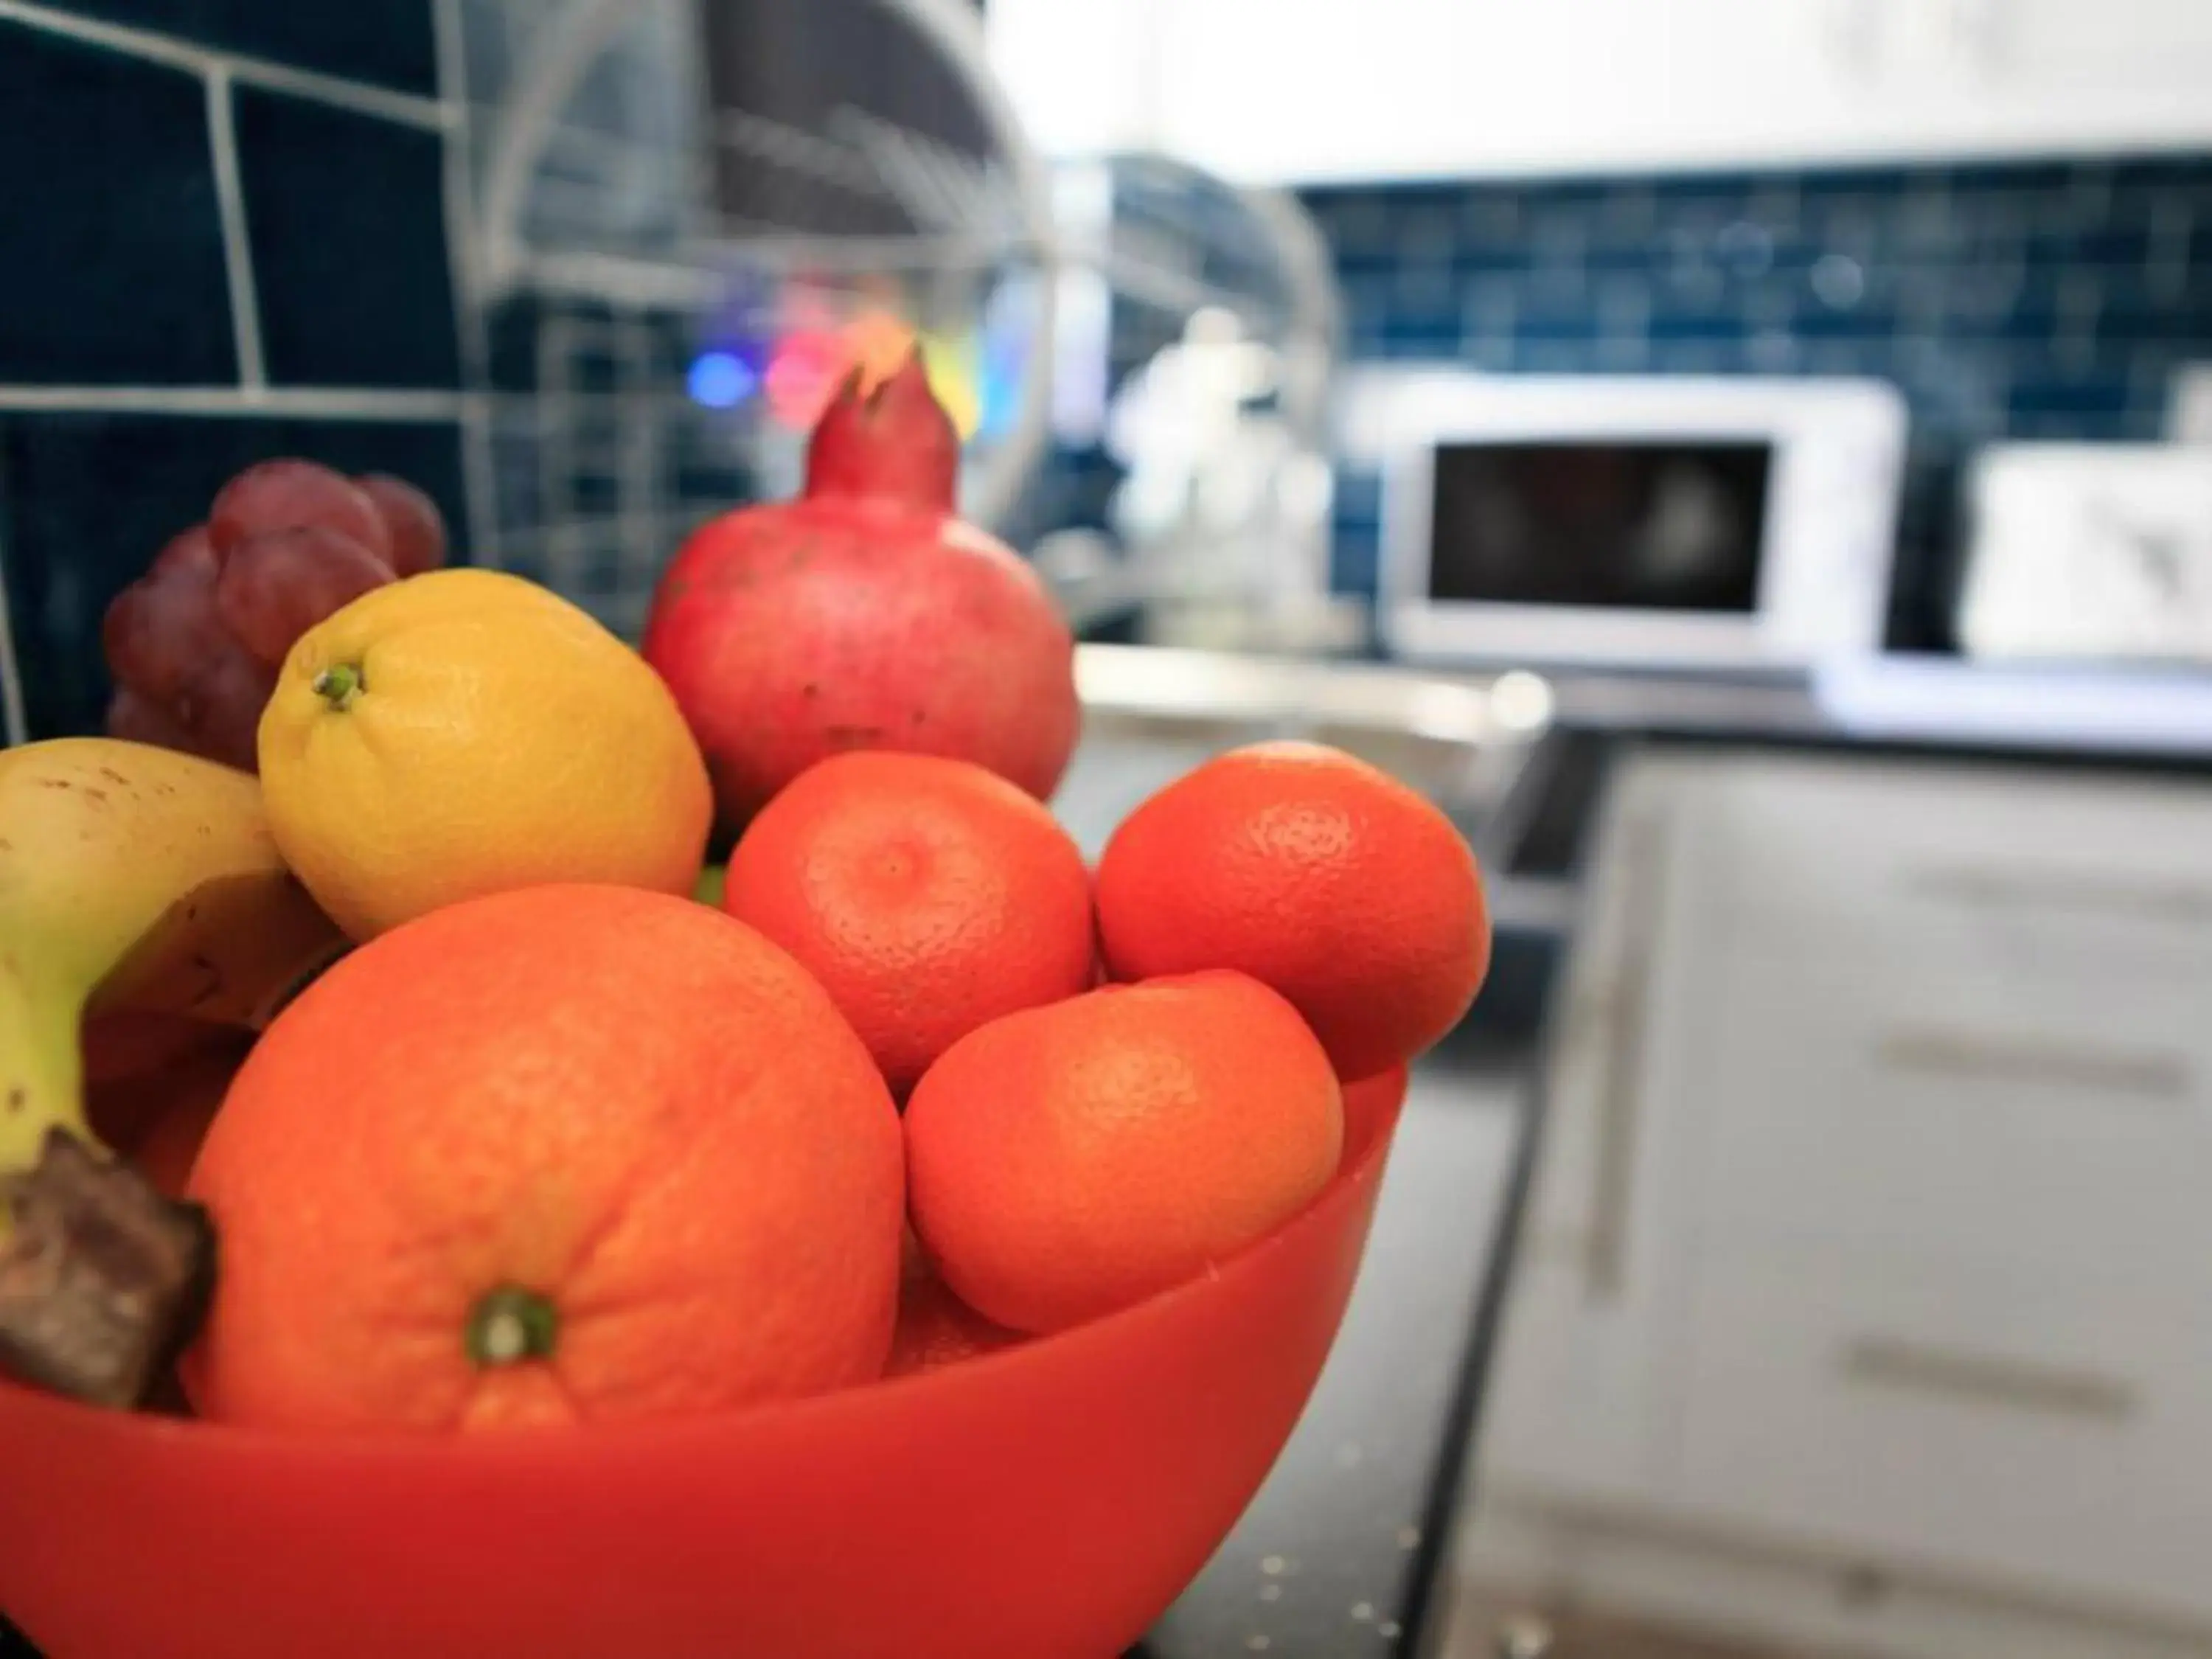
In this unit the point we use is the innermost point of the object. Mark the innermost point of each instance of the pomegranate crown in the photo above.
(892, 441)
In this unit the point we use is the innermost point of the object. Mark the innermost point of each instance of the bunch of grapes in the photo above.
(194, 645)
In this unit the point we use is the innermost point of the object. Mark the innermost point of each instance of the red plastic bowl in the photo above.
(1048, 1502)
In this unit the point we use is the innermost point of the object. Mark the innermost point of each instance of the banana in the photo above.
(132, 879)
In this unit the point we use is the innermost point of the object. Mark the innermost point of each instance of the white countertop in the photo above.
(2160, 713)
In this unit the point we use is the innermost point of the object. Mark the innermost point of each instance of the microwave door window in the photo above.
(1623, 527)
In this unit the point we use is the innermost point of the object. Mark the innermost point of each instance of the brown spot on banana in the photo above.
(210, 980)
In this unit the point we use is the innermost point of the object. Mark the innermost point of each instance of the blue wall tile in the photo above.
(113, 272)
(87, 501)
(2029, 300)
(511, 337)
(388, 42)
(347, 220)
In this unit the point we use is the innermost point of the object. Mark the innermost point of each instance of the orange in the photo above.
(1303, 867)
(570, 1154)
(927, 894)
(464, 732)
(1069, 1160)
(936, 1328)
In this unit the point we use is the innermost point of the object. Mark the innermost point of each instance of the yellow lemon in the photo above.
(465, 732)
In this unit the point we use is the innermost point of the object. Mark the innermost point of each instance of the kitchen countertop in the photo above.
(1344, 1550)
(1938, 705)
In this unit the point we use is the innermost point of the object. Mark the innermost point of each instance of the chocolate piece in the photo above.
(102, 1281)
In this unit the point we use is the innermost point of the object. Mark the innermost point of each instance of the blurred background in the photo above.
(1775, 440)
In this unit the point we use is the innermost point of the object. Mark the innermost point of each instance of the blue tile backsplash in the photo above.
(74, 537)
(159, 329)
(228, 237)
(114, 272)
(351, 266)
(2007, 300)
(387, 43)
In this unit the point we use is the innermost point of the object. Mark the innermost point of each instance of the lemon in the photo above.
(466, 731)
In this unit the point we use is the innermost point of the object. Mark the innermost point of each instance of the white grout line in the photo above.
(219, 70)
(479, 488)
(237, 245)
(674, 281)
(479, 484)
(360, 95)
(14, 723)
(460, 227)
(14, 719)
(305, 403)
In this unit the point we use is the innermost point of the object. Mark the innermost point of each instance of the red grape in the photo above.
(138, 719)
(417, 527)
(194, 645)
(285, 495)
(222, 708)
(158, 631)
(275, 586)
(192, 551)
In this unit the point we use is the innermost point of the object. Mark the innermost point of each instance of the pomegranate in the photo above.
(863, 615)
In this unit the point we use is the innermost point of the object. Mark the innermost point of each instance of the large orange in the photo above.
(1305, 868)
(1069, 1160)
(927, 894)
(564, 1154)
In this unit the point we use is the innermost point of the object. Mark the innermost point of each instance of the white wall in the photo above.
(1310, 90)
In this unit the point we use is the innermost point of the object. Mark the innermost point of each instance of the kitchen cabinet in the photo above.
(1398, 89)
(1342, 90)
(2026, 49)
(1596, 1288)
(2038, 1438)
(1868, 1231)
(1995, 78)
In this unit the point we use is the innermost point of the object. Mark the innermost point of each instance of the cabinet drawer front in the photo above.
(1938, 1114)
(2002, 1424)
(1570, 1406)
(2048, 868)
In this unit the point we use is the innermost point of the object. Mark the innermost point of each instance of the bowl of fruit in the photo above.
(443, 1213)
(1050, 1498)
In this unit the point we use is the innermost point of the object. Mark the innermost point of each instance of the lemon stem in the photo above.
(338, 684)
(511, 1325)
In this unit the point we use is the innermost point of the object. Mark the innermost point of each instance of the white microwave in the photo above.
(1727, 523)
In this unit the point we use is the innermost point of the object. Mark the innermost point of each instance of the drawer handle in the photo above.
(2025, 1060)
(2175, 903)
(1895, 1363)
(1643, 859)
